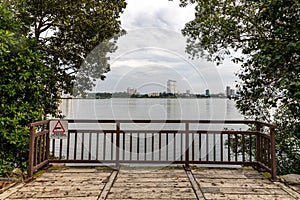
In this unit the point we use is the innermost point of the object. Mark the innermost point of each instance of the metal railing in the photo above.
(156, 142)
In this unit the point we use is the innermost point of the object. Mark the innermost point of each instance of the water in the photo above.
(151, 109)
(162, 109)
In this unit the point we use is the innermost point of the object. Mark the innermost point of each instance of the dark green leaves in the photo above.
(267, 32)
(44, 45)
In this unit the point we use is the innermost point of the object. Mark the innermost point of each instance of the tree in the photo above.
(66, 32)
(44, 48)
(22, 83)
(266, 35)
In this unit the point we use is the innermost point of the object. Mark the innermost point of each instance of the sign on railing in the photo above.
(58, 129)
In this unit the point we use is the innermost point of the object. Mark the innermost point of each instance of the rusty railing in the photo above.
(156, 142)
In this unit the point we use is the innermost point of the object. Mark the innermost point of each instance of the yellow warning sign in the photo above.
(58, 129)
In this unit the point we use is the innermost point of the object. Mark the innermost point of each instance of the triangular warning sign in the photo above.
(58, 128)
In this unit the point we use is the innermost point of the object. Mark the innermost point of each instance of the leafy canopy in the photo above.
(22, 82)
(44, 48)
(265, 34)
(66, 32)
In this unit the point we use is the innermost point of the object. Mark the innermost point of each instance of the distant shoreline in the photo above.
(149, 98)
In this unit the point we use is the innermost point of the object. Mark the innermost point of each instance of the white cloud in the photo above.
(153, 51)
(156, 13)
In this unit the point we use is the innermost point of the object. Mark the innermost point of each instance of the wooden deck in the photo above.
(150, 183)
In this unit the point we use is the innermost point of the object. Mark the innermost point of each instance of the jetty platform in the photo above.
(172, 182)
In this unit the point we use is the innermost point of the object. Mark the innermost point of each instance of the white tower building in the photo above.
(172, 86)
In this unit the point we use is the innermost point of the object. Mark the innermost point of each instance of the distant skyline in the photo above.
(172, 88)
(153, 51)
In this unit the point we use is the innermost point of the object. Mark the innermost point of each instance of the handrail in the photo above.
(257, 142)
(165, 121)
(33, 124)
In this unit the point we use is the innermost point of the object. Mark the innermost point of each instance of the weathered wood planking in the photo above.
(152, 184)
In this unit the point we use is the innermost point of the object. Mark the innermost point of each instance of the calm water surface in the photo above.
(162, 109)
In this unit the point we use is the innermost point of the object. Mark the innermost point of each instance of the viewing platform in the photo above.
(152, 159)
(173, 182)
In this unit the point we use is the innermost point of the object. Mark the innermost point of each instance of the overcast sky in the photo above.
(153, 51)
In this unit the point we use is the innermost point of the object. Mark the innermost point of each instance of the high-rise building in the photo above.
(172, 86)
(207, 92)
(232, 92)
(131, 91)
(227, 91)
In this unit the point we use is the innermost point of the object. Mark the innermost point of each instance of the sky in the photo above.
(153, 51)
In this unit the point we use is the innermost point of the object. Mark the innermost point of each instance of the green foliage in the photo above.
(66, 34)
(21, 86)
(288, 140)
(265, 35)
(44, 48)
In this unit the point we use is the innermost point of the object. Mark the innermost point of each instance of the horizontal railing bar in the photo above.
(265, 135)
(264, 166)
(165, 121)
(38, 123)
(167, 131)
(224, 132)
(37, 134)
(160, 121)
(91, 131)
(41, 164)
(266, 124)
(120, 161)
(156, 162)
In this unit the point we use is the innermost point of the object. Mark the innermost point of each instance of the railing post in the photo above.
(48, 142)
(118, 145)
(273, 152)
(31, 151)
(187, 147)
(258, 143)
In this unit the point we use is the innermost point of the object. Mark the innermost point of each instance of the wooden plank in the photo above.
(151, 175)
(153, 185)
(10, 191)
(243, 182)
(237, 185)
(54, 194)
(72, 183)
(195, 185)
(290, 190)
(247, 196)
(76, 170)
(151, 190)
(72, 175)
(222, 171)
(64, 198)
(149, 198)
(227, 176)
(153, 195)
(49, 188)
(108, 185)
(235, 190)
(149, 180)
(152, 171)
